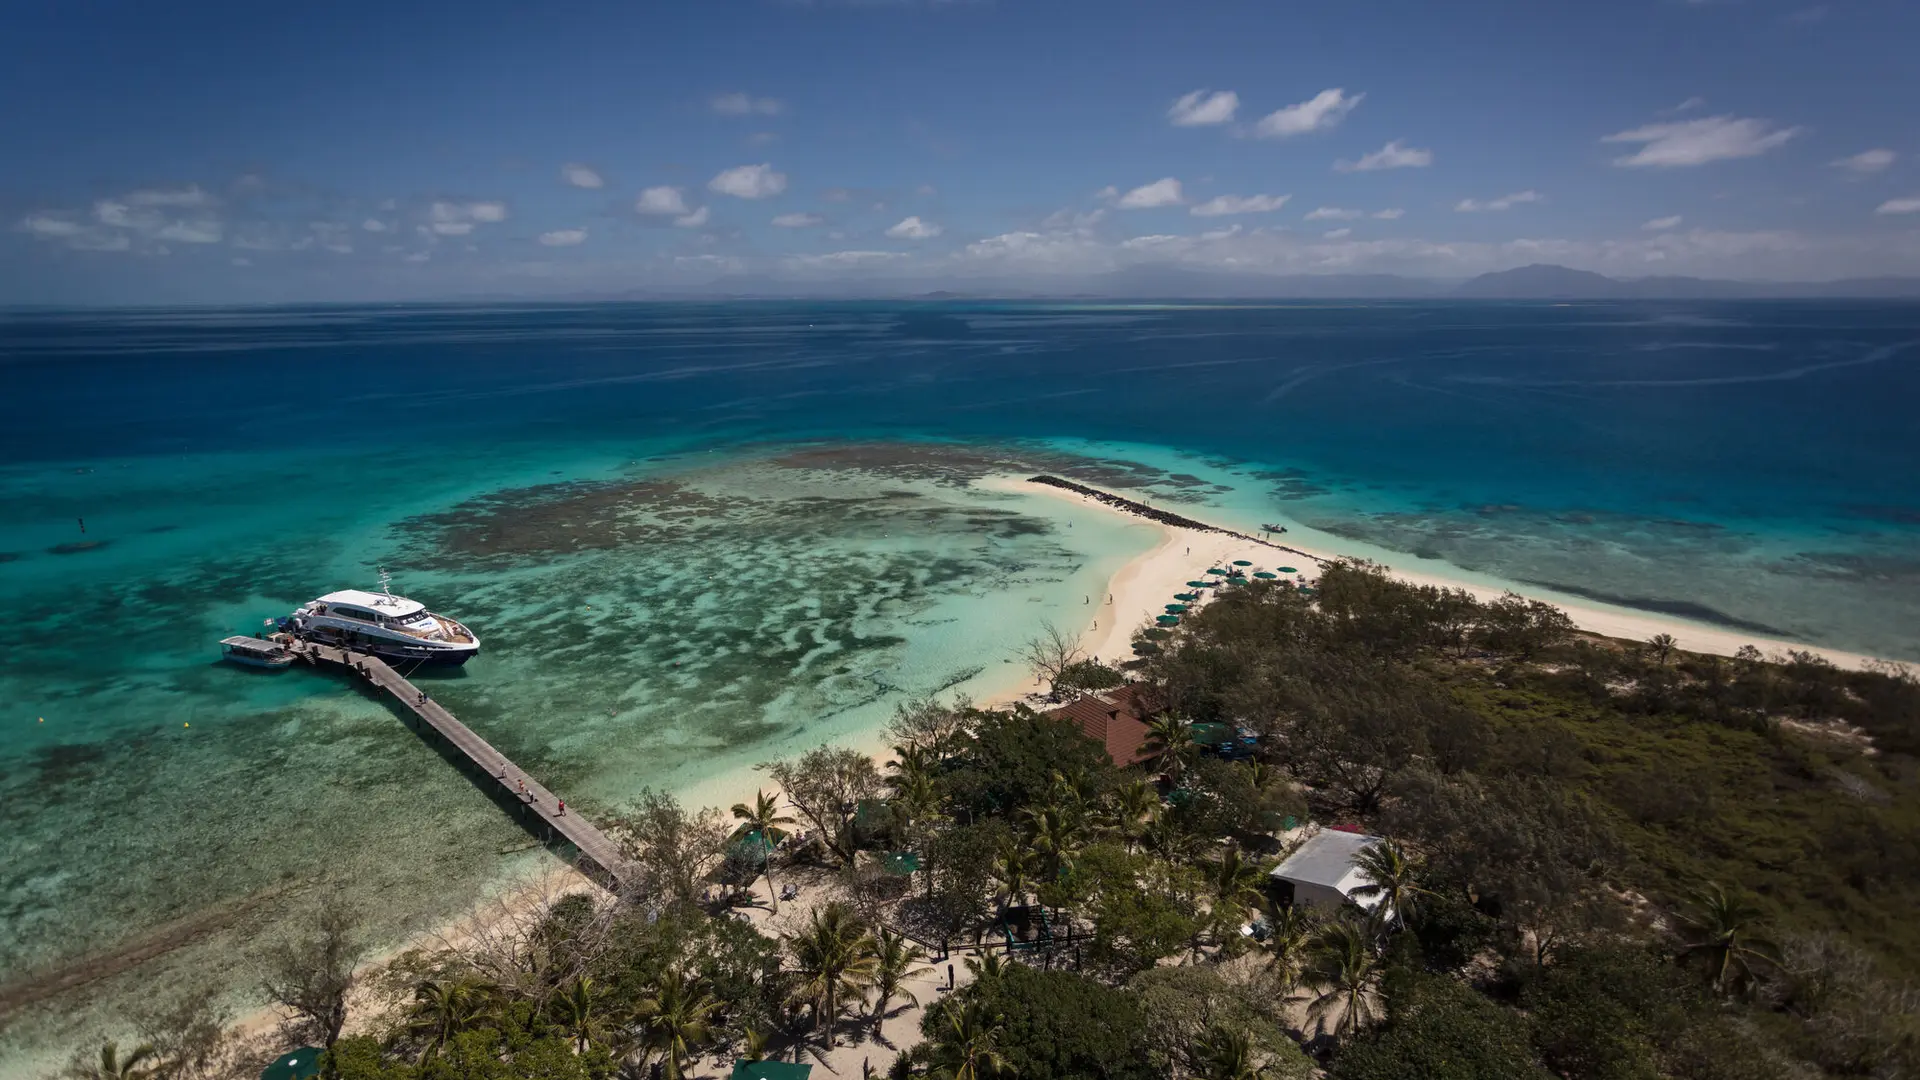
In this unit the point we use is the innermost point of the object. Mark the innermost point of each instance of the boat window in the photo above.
(353, 613)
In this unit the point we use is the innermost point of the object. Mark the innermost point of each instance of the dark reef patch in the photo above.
(1685, 609)
(77, 547)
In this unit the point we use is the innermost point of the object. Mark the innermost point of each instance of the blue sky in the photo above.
(211, 152)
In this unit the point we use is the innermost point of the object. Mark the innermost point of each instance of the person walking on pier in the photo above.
(562, 812)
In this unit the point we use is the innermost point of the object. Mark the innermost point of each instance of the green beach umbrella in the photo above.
(1215, 570)
(1186, 597)
(1288, 570)
(294, 1065)
(1146, 648)
(1168, 620)
(1241, 562)
(1175, 609)
(899, 863)
(1262, 574)
(1198, 584)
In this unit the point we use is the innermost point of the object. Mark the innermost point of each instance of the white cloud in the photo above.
(1909, 205)
(1390, 214)
(1221, 234)
(1333, 213)
(73, 234)
(581, 176)
(1338, 234)
(912, 228)
(693, 220)
(661, 200)
(798, 221)
(1697, 142)
(1689, 104)
(844, 259)
(1162, 192)
(1504, 202)
(1324, 110)
(563, 237)
(192, 232)
(1394, 155)
(1203, 107)
(122, 215)
(749, 182)
(1073, 219)
(926, 191)
(1662, 224)
(447, 218)
(1866, 161)
(1221, 205)
(329, 235)
(747, 105)
(374, 225)
(1108, 193)
(189, 196)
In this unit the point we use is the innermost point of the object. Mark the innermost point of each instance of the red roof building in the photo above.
(1114, 718)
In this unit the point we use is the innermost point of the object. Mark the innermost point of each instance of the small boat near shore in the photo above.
(256, 652)
(390, 627)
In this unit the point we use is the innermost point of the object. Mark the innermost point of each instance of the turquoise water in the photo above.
(694, 538)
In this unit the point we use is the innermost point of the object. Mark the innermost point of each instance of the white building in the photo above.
(1322, 872)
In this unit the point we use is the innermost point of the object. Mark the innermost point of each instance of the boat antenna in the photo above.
(386, 583)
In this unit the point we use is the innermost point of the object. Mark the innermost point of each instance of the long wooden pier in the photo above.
(600, 857)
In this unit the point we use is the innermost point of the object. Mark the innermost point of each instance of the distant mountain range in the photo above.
(1168, 282)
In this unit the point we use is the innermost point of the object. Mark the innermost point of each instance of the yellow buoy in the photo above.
(183, 724)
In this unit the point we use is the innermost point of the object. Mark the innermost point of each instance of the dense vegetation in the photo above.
(1601, 862)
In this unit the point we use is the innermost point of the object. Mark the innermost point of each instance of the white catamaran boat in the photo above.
(388, 626)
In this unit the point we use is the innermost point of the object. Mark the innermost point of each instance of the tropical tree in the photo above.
(1726, 937)
(1128, 809)
(140, 1063)
(443, 1008)
(675, 1020)
(1290, 931)
(986, 966)
(1344, 973)
(762, 823)
(1237, 883)
(1053, 832)
(1393, 878)
(1661, 646)
(834, 955)
(1013, 866)
(969, 1047)
(1224, 1053)
(895, 961)
(1170, 741)
(579, 1011)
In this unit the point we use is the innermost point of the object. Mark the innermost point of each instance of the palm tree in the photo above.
(1128, 809)
(676, 1019)
(1054, 834)
(895, 961)
(1170, 739)
(1343, 971)
(1393, 878)
(987, 966)
(969, 1046)
(444, 1008)
(1290, 930)
(1237, 884)
(1662, 646)
(1728, 941)
(834, 955)
(577, 1009)
(141, 1063)
(762, 820)
(755, 1048)
(1013, 867)
(1225, 1054)
(916, 796)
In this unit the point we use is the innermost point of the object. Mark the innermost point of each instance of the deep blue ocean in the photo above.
(694, 535)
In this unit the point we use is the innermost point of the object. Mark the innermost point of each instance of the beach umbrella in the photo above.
(1145, 648)
(771, 1070)
(1288, 570)
(899, 863)
(1215, 570)
(1262, 574)
(1153, 632)
(294, 1065)
(1168, 620)
(1186, 597)
(1241, 562)
(1175, 609)
(1198, 584)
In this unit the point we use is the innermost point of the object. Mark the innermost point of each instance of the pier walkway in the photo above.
(600, 857)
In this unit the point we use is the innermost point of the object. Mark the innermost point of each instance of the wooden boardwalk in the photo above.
(600, 857)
